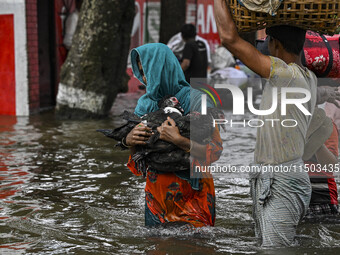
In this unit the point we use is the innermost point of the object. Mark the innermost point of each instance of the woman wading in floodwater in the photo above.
(171, 197)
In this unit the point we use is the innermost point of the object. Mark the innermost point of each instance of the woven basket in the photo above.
(322, 16)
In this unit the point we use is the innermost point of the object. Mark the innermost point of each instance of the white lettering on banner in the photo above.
(205, 21)
(152, 12)
(210, 20)
(200, 18)
(136, 21)
(191, 13)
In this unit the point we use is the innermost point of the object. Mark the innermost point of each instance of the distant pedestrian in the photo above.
(176, 45)
(194, 62)
(321, 156)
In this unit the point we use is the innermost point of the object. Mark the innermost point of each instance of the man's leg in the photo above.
(277, 219)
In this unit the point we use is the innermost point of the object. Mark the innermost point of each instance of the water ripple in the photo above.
(65, 190)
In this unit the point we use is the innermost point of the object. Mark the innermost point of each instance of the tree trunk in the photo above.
(95, 68)
(172, 18)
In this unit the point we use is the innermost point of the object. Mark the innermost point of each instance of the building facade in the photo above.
(32, 50)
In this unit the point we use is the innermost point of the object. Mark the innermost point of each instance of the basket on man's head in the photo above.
(320, 16)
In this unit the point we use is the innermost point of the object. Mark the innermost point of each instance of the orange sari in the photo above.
(170, 198)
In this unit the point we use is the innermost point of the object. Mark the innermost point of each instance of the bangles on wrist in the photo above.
(124, 143)
(191, 145)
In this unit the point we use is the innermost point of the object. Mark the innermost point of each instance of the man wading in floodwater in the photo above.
(279, 202)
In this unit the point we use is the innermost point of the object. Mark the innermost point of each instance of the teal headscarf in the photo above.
(164, 76)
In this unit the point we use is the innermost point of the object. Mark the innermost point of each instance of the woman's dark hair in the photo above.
(188, 31)
(138, 61)
(291, 38)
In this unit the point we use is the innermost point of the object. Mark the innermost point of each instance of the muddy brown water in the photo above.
(64, 189)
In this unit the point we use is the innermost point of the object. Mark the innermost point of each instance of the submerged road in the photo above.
(64, 189)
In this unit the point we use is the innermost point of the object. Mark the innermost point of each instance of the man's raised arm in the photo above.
(240, 48)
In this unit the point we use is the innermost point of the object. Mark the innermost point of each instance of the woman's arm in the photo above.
(169, 132)
(137, 136)
(328, 94)
(325, 157)
(197, 150)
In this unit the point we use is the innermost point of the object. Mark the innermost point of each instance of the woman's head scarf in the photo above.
(164, 76)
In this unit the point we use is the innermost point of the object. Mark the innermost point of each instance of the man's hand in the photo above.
(328, 94)
(138, 135)
(169, 132)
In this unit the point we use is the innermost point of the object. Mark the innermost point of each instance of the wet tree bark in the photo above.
(172, 18)
(95, 68)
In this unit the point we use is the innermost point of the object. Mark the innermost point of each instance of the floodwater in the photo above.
(65, 190)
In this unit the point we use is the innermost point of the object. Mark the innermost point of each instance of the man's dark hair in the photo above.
(188, 31)
(291, 38)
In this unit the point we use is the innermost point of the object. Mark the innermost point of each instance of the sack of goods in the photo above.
(322, 16)
(321, 54)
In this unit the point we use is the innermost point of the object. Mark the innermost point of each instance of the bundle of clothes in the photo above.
(267, 6)
(159, 154)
